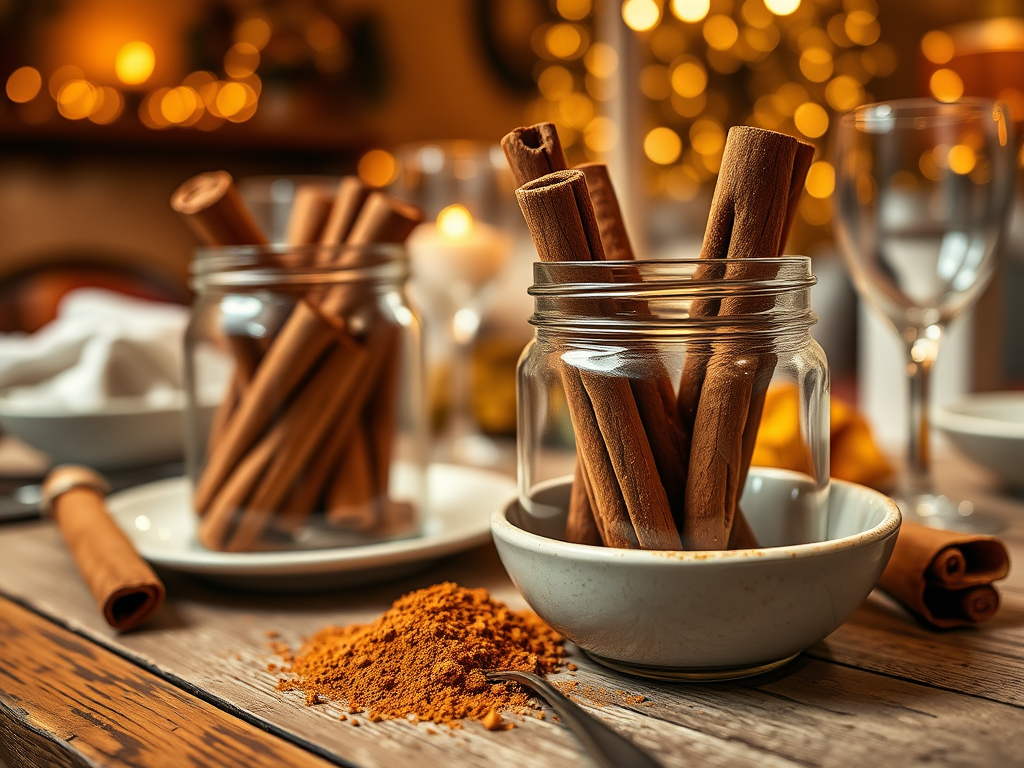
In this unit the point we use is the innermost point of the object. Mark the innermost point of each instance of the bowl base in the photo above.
(690, 674)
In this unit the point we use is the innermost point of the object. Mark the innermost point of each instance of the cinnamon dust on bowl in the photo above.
(425, 658)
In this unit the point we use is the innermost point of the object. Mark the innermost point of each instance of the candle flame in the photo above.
(454, 221)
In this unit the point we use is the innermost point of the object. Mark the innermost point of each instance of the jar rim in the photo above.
(280, 264)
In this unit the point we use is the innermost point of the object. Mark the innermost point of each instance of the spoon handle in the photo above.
(609, 748)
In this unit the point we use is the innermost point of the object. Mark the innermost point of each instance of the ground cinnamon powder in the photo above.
(425, 657)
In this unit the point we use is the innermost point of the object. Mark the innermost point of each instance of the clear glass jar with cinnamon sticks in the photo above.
(651, 377)
(313, 358)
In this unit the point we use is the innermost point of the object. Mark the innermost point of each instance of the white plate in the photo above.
(159, 520)
(989, 429)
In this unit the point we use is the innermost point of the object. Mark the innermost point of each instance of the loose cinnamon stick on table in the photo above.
(123, 585)
(946, 577)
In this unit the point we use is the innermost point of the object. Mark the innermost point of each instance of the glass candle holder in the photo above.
(315, 359)
(652, 378)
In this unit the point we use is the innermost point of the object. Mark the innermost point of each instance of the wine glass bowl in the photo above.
(923, 190)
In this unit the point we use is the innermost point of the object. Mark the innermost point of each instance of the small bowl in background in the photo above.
(988, 429)
(706, 615)
(127, 434)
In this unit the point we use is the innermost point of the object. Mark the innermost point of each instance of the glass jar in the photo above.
(305, 425)
(649, 381)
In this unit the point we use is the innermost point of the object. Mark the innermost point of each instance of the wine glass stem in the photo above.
(920, 357)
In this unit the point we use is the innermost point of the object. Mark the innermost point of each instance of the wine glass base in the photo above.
(937, 511)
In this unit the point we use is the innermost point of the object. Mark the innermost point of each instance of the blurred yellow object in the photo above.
(854, 456)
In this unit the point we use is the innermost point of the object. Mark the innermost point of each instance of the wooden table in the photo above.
(192, 687)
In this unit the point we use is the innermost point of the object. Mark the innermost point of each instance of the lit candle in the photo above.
(457, 256)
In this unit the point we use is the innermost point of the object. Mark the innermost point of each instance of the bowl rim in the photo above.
(502, 528)
(956, 417)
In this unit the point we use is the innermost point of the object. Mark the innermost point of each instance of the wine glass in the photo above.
(922, 194)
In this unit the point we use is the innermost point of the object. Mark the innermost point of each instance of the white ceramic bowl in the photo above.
(125, 435)
(706, 615)
(988, 429)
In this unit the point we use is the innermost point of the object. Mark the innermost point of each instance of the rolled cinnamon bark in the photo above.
(213, 209)
(351, 197)
(533, 151)
(351, 495)
(609, 215)
(946, 577)
(122, 584)
(311, 207)
(580, 524)
(746, 221)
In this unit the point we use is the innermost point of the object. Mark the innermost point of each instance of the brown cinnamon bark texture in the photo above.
(123, 586)
(213, 209)
(618, 463)
(945, 577)
(609, 215)
(299, 407)
(761, 177)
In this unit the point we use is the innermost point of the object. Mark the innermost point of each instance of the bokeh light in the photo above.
(655, 82)
(782, 7)
(109, 106)
(377, 168)
(689, 78)
(573, 10)
(134, 63)
(862, 27)
(816, 64)
(255, 31)
(62, 75)
(843, 93)
(821, 179)
(811, 120)
(961, 159)
(721, 32)
(601, 135)
(641, 15)
(24, 84)
(576, 110)
(663, 146)
(707, 137)
(946, 85)
(601, 60)
(691, 10)
(938, 47)
(179, 105)
(563, 40)
(241, 60)
(76, 99)
(555, 82)
(454, 221)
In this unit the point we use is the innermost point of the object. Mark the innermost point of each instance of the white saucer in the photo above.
(159, 520)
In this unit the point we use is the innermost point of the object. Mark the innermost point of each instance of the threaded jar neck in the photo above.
(685, 298)
(297, 267)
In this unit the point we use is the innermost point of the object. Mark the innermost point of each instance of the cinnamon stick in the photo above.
(533, 151)
(350, 497)
(607, 211)
(122, 584)
(311, 207)
(213, 209)
(348, 201)
(580, 523)
(946, 577)
(748, 216)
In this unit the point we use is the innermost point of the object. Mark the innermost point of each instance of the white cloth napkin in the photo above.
(102, 347)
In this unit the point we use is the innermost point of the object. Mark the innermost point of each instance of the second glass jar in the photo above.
(306, 421)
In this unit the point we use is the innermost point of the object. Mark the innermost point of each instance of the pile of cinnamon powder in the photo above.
(425, 657)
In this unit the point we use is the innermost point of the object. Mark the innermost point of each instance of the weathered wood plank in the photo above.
(65, 701)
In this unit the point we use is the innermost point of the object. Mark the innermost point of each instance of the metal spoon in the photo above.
(608, 748)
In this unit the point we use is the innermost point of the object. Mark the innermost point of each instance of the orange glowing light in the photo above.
(377, 168)
(255, 31)
(134, 63)
(109, 106)
(24, 84)
(76, 99)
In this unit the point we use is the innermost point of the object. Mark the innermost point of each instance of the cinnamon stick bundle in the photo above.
(626, 493)
(722, 392)
(945, 577)
(532, 152)
(289, 438)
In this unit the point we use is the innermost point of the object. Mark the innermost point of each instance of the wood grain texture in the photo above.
(881, 690)
(79, 704)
